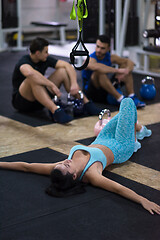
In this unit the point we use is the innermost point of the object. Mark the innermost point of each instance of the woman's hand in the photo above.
(150, 206)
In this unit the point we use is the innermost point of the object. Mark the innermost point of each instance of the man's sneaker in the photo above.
(59, 116)
(113, 101)
(91, 109)
(144, 133)
(137, 146)
(138, 103)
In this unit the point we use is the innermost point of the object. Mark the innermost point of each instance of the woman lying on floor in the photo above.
(115, 144)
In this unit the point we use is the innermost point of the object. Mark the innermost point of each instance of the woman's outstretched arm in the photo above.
(109, 185)
(39, 168)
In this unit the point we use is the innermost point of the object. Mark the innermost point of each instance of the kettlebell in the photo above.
(148, 90)
(112, 100)
(77, 104)
(102, 122)
(59, 102)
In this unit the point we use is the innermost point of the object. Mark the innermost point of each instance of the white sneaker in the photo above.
(137, 146)
(144, 133)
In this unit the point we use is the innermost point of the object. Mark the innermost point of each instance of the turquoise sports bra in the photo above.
(96, 155)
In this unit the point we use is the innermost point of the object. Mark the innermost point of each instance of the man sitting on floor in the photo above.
(99, 72)
(33, 91)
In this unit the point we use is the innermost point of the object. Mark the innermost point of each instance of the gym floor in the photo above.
(18, 138)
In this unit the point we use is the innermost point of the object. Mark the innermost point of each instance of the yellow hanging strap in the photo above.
(82, 12)
(73, 12)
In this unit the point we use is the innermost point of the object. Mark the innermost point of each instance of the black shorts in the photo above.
(95, 94)
(23, 105)
(99, 94)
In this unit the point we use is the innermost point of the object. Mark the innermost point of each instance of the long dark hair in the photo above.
(64, 185)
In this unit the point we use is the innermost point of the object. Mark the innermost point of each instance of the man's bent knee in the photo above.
(25, 90)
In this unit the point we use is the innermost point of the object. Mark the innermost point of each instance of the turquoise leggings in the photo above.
(119, 133)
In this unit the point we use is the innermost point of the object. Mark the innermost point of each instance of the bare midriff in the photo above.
(107, 152)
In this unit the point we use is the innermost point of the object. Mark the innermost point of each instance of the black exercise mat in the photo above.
(28, 213)
(15, 186)
(8, 60)
(148, 155)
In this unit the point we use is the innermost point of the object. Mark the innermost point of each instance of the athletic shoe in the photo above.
(138, 103)
(112, 100)
(59, 116)
(137, 146)
(91, 109)
(144, 133)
